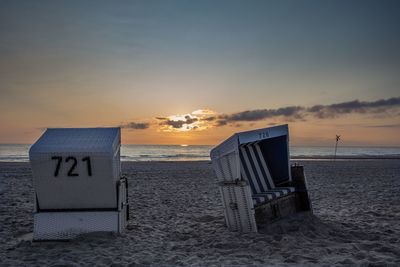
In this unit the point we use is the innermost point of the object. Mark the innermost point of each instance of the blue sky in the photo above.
(151, 58)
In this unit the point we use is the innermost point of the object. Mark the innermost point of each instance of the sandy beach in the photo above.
(177, 220)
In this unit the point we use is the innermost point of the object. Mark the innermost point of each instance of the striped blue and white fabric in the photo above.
(254, 169)
(272, 194)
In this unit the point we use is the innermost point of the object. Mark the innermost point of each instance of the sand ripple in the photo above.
(177, 220)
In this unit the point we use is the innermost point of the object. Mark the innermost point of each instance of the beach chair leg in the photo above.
(238, 207)
(300, 183)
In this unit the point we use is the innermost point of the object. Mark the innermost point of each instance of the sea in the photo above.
(19, 153)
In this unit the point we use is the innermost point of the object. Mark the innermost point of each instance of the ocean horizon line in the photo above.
(136, 152)
(188, 145)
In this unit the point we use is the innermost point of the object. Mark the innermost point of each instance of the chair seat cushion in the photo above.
(272, 194)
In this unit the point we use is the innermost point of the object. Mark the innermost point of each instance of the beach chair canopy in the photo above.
(260, 157)
(76, 168)
(255, 178)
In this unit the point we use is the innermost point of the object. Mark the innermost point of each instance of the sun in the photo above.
(177, 117)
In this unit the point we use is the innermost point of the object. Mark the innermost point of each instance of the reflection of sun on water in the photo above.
(184, 145)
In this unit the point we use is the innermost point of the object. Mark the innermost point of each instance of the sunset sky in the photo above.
(194, 72)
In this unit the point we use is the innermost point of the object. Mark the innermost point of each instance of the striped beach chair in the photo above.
(256, 181)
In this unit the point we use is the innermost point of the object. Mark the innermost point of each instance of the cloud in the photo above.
(204, 118)
(291, 113)
(221, 122)
(383, 126)
(212, 118)
(197, 120)
(355, 106)
(260, 114)
(177, 124)
(190, 120)
(203, 112)
(136, 125)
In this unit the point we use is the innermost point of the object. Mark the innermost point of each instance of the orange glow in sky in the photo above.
(179, 72)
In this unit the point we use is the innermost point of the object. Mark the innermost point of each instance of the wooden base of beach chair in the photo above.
(277, 209)
(61, 225)
(300, 183)
(287, 205)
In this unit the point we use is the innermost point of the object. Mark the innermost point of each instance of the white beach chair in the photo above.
(77, 182)
(256, 181)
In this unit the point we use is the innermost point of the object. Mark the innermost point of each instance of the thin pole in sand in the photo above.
(337, 141)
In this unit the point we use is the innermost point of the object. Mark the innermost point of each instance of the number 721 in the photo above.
(73, 166)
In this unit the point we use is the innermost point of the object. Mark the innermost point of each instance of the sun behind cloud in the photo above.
(197, 120)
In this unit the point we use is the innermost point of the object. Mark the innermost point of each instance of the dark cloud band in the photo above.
(355, 106)
(177, 124)
(136, 125)
(319, 111)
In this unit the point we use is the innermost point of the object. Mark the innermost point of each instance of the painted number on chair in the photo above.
(263, 135)
(71, 163)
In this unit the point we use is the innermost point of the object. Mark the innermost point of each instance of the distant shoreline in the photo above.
(146, 153)
(343, 157)
(355, 158)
